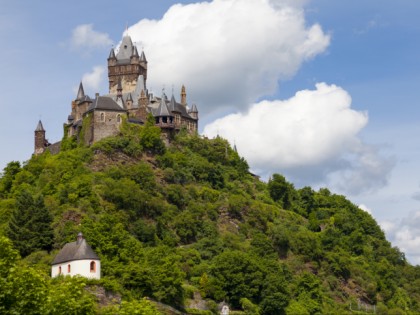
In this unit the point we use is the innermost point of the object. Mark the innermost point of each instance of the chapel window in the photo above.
(92, 266)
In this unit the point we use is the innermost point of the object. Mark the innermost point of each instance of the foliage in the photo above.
(170, 222)
(30, 225)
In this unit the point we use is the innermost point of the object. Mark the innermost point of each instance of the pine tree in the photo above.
(30, 225)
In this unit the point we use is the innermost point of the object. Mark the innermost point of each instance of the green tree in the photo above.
(22, 290)
(281, 191)
(9, 173)
(30, 225)
(238, 275)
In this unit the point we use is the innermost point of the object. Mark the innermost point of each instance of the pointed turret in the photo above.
(129, 101)
(143, 61)
(143, 57)
(81, 92)
(163, 110)
(172, 104)
(135, 52)
(112, 54)
(39, 127)
(183, 96)
(193, 111)
(134, 59)
(40, 141)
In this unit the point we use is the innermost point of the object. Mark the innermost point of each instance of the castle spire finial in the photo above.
(126, 28)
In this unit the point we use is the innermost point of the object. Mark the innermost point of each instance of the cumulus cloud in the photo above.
(365, 208)
(228, 53)
(405, 234)
(312, 137)
(85, 38)
(92, 80)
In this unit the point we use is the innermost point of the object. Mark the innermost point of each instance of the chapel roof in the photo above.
(77, 250)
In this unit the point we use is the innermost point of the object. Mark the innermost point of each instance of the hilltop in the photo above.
(188, 226)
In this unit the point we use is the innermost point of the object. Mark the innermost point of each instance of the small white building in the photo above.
(77, 258)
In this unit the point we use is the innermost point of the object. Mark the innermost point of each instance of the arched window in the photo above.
(68, 268)
(59, 270)
(102, 117)
(92, 266)
(118, 118)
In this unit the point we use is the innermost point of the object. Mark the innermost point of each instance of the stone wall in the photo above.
(103, 124)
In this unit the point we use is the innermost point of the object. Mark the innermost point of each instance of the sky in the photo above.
(324, 92)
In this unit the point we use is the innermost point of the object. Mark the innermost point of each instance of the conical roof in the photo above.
(143, 57)
(126, 48)
(80, 92)
(163, 108)
(39, 127)
(193, 109)
(172, 103)
(111, 53)
(135, 52)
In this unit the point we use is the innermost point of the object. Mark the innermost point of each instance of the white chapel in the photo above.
(77, 258)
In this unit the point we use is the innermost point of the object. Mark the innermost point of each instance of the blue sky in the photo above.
(242, 60)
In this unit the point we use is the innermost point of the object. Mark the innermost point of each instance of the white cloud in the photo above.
(405, 233)
(365, 208)
(311, 137)
(92, 80)
(84, 37)
(228, 53)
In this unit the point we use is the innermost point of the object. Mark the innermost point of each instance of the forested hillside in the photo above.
(189, 226)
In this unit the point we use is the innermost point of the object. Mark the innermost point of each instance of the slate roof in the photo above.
(111, 53)
(126, 48)
(105, 103)
(39, 127)
(162, 110)
(143, 57)
(80, 92)
(194, 109)
(75, 251)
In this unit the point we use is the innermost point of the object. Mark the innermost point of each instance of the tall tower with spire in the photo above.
(40, 142)
(126, 65)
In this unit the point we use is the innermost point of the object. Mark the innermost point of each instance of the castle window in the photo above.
(102, 117)
(68, 268)
(92, 266)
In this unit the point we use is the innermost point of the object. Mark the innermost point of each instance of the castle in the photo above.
(128, 99)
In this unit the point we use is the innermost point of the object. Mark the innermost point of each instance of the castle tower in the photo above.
(126, 66)
(40, 141)
(183, 96)
(193, 112)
